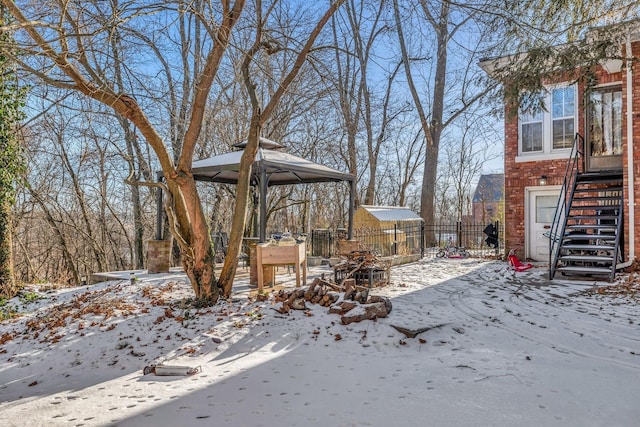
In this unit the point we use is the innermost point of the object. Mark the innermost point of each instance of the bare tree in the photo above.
(70, 38)
(444, 19)
(261, 111)
(74, 192)
(366, 102)
(465, 156)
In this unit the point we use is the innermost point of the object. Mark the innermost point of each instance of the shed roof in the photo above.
(392, 213)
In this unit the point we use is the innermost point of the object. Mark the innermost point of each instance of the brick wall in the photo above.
(518, 176)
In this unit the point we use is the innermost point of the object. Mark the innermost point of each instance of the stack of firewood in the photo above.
(361, 261)
(319, 292)
(358, 260)
(341, 299)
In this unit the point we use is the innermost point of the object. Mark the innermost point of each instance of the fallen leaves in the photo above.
(100, 303)
(6, 337)
(630, 287)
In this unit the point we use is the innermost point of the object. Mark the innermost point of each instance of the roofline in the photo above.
(490, 64)
(385, 207)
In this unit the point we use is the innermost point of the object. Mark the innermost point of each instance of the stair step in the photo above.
(588, 244)
(597, 199)
(611, 227)
(572, 247)
(594, 217)
(600, 175)
(596, 189)
(598, 181)
(589, 236)
(587, 258)
(583, 270)
(596, 208)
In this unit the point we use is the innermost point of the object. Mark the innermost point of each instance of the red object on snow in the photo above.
(516, 263)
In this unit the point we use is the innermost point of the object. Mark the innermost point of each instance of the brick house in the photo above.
(570, 171)
(487, 198)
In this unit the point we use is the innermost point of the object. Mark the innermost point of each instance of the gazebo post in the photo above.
(255, 201)
(263, 204)
(352, 192)
(159, 208)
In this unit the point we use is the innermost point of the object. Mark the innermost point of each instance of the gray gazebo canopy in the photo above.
(271, 167)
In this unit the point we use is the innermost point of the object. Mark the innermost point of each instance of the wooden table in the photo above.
(271, 256)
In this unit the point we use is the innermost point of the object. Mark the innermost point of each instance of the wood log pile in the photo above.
(351, 302)
(359, 264)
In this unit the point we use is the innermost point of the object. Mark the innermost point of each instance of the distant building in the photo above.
(487, 198)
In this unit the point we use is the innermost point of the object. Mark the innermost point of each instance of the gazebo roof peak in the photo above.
(265, 143)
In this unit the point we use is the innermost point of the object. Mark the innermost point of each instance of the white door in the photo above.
(541, 208)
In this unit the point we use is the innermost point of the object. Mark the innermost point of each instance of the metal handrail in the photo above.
(619, 243)
(564, 201)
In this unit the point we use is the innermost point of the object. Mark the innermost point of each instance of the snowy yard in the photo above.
(505, 349)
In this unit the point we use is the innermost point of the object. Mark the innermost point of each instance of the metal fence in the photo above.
(402, 239)
(482, 240)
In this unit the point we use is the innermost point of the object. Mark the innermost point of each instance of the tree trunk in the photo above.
(427, 195)
(192, 234)
(242, 201)
(258, 117)
(432, 128)
(8, 286)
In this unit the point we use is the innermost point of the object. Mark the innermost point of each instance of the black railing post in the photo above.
(395, 239)
(422, 231)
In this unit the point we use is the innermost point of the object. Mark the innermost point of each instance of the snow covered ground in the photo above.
(505, 348)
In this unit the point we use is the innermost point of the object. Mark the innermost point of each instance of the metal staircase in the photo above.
(587, 234)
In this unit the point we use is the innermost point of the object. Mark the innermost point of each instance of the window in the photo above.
(606, 122)
(531, 130)
(544, 132)
(546, 208)
(563, 113)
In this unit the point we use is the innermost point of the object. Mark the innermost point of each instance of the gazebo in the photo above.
(271, 167)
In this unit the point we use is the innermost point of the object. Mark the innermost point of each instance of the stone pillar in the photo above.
(269, 272)
(158, 256)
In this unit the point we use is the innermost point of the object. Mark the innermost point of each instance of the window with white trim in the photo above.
(551, 130)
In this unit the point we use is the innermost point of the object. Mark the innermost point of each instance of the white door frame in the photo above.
(528, 192)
